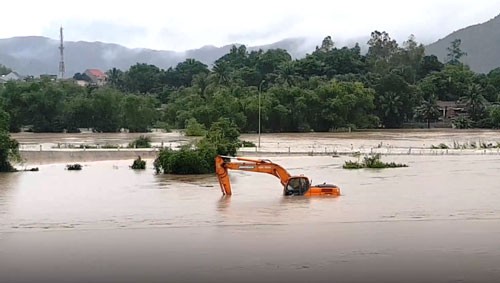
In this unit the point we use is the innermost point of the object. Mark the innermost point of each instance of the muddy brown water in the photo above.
(435, 221)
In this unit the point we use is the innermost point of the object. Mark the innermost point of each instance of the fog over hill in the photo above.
(35, 55)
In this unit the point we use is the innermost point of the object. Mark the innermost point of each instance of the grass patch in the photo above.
(371, 162)
(141, 142)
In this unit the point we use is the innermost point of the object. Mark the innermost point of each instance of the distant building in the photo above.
(81, 82)
(450, 109)
(96, 76)
(12, 76)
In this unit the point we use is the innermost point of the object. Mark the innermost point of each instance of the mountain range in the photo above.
(35, 55)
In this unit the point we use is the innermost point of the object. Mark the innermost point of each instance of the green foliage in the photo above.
(332, 88)
(4, 70)
(428, 111)
(9, 148)
(141, 142)
(247, 144)
(221, 139)
(462, 122)
(454, 52)
(495, 116)
(193, 128)
(372, 162)
(138, 164)
(138, 113)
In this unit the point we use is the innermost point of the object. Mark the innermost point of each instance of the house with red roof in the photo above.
(96, 76)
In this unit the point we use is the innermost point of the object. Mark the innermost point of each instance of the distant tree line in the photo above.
(332, 88)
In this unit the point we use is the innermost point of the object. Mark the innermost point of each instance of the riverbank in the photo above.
(33, 157)
(39, 149)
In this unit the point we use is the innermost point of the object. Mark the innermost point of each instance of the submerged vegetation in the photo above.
(467, 145)
(9, 148)
(141, 142)
(198, 158)
(373, 161)
(75, 167)
(138, 164)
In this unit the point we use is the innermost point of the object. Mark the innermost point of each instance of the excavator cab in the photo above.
(297, 186)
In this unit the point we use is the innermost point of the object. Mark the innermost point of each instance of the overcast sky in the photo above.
(187, 24)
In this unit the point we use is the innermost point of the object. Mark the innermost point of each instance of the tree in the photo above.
(221, 139)
(474, 102)
(106, 104)
(185, 71)
(221, 72)
(326, 46)
(115, 78)
(4, 70)
(138, 113)
(454, 52)
(9, 148)
(394, 100)
(143, 78)
(495, 116)
(381, 48)
(223, 136)
(428, 110)
(428, 65)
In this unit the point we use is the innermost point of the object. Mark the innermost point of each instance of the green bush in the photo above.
(193, 128)
(141, 142)
(185, 161)
(247, 144)
(373, 162)
(9, 148)
(222, 138)
(138, 164)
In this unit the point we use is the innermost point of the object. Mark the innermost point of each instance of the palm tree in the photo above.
(115, 77)
(390, 106)
(428, 110)
(201, 81)
(474, 101)
(221, 71)
(287, 73)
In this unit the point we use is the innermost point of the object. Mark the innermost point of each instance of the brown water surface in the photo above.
(435, 221)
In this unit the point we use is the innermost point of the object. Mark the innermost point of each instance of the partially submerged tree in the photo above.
(9, 148)
(222, 138)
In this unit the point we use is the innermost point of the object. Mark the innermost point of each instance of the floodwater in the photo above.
(435, 221)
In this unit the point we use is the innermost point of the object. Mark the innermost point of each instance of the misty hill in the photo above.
(481, 42)
(35, 55)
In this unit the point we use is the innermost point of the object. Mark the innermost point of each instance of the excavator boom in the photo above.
(292, 185)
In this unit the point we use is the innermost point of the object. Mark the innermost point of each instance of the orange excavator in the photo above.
(292, 185)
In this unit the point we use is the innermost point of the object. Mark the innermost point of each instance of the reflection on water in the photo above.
(7, 183)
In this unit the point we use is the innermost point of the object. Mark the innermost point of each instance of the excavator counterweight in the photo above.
(292, 185)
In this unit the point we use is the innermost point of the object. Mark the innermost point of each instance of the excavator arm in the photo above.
(292, 185)
(225, 163)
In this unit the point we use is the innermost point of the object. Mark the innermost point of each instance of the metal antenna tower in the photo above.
(61, 50)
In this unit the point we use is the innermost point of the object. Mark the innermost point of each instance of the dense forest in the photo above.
(333, 88)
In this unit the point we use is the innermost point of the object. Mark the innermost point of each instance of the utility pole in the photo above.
(61, 51)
